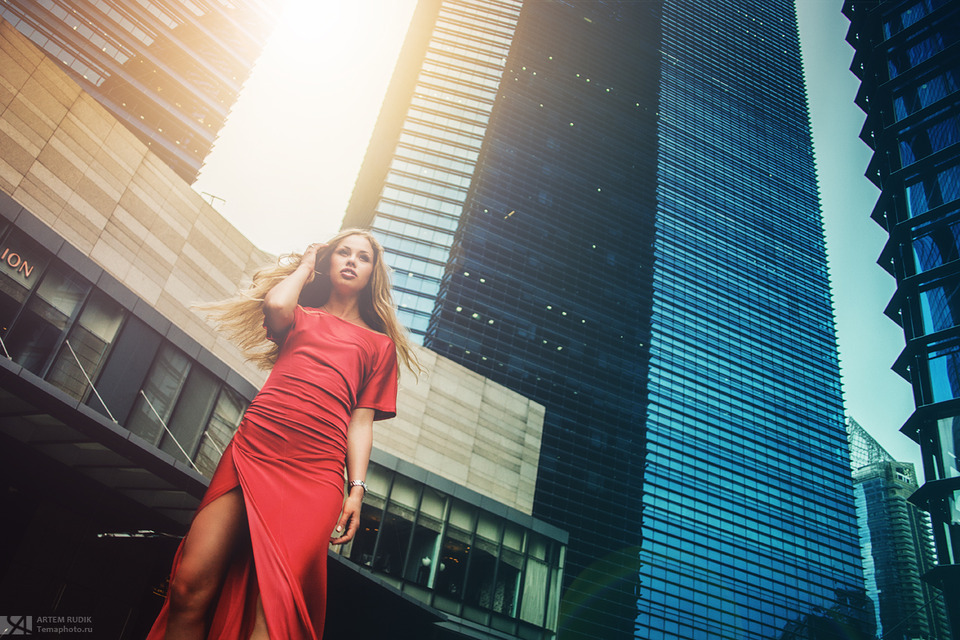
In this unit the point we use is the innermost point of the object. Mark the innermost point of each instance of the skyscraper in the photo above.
(640, 250)
(896, 543)
(908, 63)
(169, 70)
(427, 141)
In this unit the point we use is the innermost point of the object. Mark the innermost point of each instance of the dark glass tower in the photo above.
(896, 543)
(169, 70)
(908, 61)
(640, 250)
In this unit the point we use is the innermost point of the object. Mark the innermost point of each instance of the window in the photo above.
(933, 191)
(425, 547)
(159, 394)
(483, 589)
(193, 407)
(87, 342)
(40, 325)
(455, 556)
(944, 368)
(936, 248)
(455, 552)
(223, 422)
(537, 583)
(397, 526)
(939, 306)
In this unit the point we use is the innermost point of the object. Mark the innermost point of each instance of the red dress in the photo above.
(287, 457)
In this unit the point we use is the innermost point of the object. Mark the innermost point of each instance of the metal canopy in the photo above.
(43, 418)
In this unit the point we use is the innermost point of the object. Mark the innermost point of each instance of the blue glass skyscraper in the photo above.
(640, 249)
(908, 61)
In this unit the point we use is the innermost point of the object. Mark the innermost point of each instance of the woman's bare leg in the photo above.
(210, 542)
(260, 623)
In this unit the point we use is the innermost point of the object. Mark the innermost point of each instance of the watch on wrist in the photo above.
(359, 483)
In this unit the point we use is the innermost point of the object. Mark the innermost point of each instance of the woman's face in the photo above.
(351, 264)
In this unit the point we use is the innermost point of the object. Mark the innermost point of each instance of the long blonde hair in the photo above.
(241, 318)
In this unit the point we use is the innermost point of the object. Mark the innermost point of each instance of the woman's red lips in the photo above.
(348, 272)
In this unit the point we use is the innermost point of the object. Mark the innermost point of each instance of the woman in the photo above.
(253, 563)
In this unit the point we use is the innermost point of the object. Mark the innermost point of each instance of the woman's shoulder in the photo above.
(378, 337)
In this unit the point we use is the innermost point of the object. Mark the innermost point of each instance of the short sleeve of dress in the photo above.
(278, 340)
(380, 389)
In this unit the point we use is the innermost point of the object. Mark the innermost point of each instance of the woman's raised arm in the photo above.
(280, 302)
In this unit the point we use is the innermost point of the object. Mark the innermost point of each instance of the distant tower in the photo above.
(896, 543)
(908, 61)
(170, 71)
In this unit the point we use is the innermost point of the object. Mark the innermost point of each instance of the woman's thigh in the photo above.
(210, 543)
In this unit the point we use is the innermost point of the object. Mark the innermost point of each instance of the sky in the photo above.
(284, 166)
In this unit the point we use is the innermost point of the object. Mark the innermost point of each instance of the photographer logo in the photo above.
(16, 625)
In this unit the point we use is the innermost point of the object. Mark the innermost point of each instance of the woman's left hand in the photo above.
(349, 519)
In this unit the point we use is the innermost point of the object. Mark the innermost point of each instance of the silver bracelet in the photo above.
(359, 483)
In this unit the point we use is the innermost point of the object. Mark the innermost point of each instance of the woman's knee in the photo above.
(190, 596)
(207, 550)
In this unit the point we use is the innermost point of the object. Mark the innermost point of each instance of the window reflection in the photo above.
(223, 422)
(944, 368)
(161, 388)
(936, 248)
(425, 546)
(455, 552)
(41, 323)
(940, 306)
(948, 430)
(193, 406)
(397, 525)
(536, 585)
(86, 346)
(933, 190)
(482, 588)
(916, 96)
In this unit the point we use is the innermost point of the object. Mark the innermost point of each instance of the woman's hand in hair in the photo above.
(309, 258)
(280, 302)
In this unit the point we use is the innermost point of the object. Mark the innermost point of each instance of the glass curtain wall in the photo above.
(548, 288)
(433, 163)
(908, 62)
(58, 326)
(749, 511)
(457, 557)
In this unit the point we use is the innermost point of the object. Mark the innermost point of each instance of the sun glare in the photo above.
(294, 142)
(312, 20)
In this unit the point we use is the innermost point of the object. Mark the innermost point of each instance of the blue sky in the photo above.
(286, 161)
(869, 342)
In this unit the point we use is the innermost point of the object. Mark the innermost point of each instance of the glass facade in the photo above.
(483, 567)
(431, 166)
(63, 328)
(744, 370)
(908, 62)
(896, 543)
(549, 286)
(169, 70)
(640, 250)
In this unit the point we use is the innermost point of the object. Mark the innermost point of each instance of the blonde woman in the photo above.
(253, 564)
